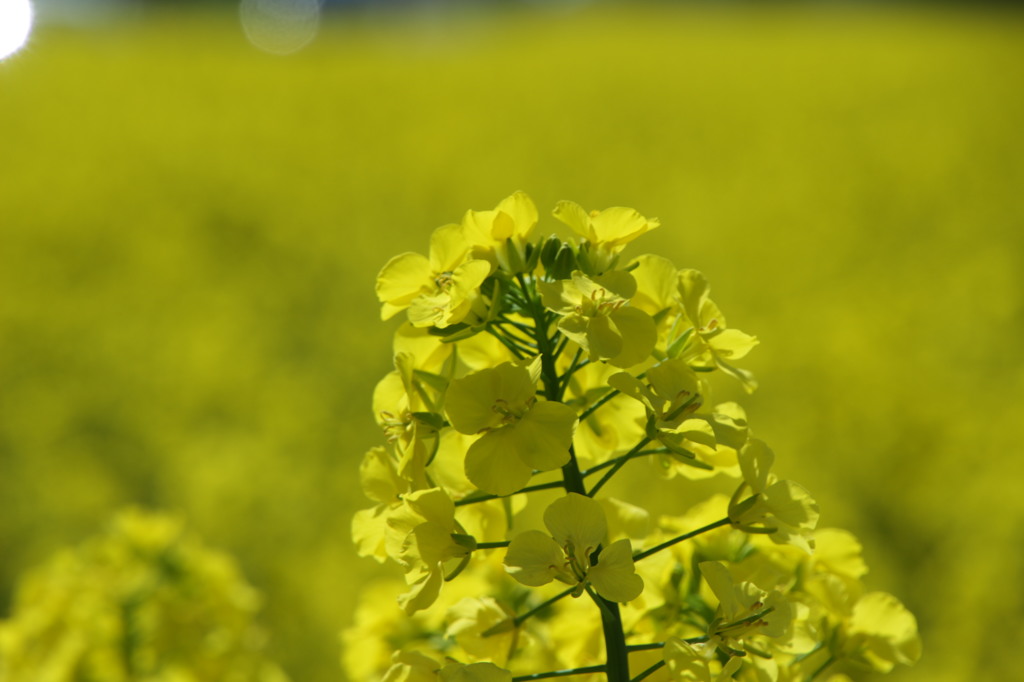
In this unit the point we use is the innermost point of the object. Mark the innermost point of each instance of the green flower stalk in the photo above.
(530, 372)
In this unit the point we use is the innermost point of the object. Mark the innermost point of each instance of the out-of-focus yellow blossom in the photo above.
(657, 285)
(519, 432)
(872, 629)
(606, 232)
(412, 666)
(782, 509)
(474, 672)
(438, 290)
(744, 609)
(575, 635)
(684, 662)
(422, 534)
(501, 234)
(595, 315)
(578, 527)
(366, 646)
(382, 484)
(143, 601)
(883, 632)
(625, 520)
(671, 394)
(712, 343)
(469, 619)
(615, 427)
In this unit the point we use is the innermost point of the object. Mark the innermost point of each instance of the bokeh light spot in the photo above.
(280, 26)
(15, 25)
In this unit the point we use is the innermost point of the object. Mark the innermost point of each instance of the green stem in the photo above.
(619, 464)
(745, 621)
(831, 659)
(492, 545)
(650, 671)
(519, 620)
(485, 497)
(560, 673)
(685, 536)
(522, 342)
(567, 377)
(604, 465)
(593, 408)
(645, 647)
(617, 665)
(505, 342)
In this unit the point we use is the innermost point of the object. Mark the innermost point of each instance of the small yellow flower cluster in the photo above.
(531, 371)
(143, 601)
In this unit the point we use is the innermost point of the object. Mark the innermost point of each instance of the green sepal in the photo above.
(467, 332)
(497, 292)
(565, 263)
(515, 258)
(676, 347)
(583, 258)
(757, 530)
(431, 419)
(738, 509)
(760, 653)
(458, 569)
(450, 330)
(697, 604)
(532, 252)
(681, 454)
(548, 252)
(467, 542)
(435, 381)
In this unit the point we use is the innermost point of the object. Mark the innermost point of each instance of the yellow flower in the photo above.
(744, 609)
(424, 537)
(578, 527)
(595, 314)
(439, 290)
(474, 672)
(471, 618)
(501, 234)
(684, 662)
(883, 632)
(713, 343)
(520, 433)
(783, 509)
(382, 484)
(411, 666)
(671, 394)
(606, 232)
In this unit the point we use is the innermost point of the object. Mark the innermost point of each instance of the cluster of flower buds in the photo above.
(529, 373)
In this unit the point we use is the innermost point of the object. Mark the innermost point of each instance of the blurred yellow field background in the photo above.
(190, 231)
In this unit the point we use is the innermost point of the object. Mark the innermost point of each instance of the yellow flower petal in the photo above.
(533, 558)
(494, 464)
(614, 577)
(401, 280)
(471, 401)
(544, 435)
(638, 333)
(577, 520)
(474, 672)
(684, 663)
(448, 248)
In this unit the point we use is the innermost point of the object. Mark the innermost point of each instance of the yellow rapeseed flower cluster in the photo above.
(535, 369)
